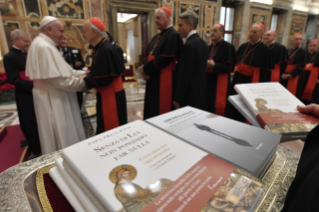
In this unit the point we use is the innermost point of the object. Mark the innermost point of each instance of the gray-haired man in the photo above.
(191, 65)
(14, 64)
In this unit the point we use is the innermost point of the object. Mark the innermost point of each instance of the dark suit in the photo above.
(73, 55)
(190, 88)
(14, 63)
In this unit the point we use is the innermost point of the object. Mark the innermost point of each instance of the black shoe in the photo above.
(24, 143)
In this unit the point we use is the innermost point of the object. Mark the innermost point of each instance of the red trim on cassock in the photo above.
(109, 104)
(252, 72)
(292, 82)
(221, 92)
(275, 73)
(166, 86)
(311, 83)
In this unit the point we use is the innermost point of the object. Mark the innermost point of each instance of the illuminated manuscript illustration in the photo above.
(280, 128)
(237, 193)
(132, 196)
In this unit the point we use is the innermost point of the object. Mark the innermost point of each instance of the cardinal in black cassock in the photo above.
(303, 191)
(255, 62)
(309, 83)
(106, 76)
(296, 55)
(163, 52)
(14, 64)
(221, 62)
(280, 57)
(190, 90)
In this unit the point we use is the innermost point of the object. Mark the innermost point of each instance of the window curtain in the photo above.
(132, 47)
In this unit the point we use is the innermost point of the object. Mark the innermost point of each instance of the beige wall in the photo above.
(122, 35)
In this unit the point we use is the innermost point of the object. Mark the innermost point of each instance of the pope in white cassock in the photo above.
(54, 93)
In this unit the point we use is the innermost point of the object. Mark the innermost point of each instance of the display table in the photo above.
(18, 191)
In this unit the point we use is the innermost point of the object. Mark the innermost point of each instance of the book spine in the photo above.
(242, 96)
(78, 192)
(94, 195)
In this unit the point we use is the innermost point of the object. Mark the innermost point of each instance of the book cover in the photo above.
(137, 167)
(244, 146)
(275, 108)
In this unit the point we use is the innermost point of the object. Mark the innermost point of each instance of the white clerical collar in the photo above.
(190, 34)
(272, 42)
(17, 48)
(46, 38)
(169, 26)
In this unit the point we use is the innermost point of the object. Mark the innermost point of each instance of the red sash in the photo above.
(109, 104)
(275, 73)
(311, 83)
(166, 86)
(252, 72)
(23, 76)
(221, 92)
(292, 82)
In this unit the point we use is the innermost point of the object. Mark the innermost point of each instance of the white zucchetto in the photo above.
(47, 19)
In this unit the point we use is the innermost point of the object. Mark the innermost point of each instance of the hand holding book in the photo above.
(309, 109)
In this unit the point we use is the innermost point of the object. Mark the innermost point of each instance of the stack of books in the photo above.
(272, 107)
(140, 167)
(249, 148)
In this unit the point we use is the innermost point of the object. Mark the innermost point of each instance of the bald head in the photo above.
(255, 33)
(270, 37)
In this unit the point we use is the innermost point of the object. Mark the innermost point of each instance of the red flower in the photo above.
(6, 87)
(3, 77)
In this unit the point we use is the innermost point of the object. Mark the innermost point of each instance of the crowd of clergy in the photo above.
(180, 70)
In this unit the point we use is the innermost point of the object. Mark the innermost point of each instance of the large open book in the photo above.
(276, 109)
(248, 148)
(137, 167)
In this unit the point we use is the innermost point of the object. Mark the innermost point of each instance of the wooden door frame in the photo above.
(115, 6)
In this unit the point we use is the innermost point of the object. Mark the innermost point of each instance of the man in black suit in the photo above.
(190, 88)
(14, 64)
(74, 58)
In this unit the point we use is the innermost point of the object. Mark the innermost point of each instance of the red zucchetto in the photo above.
(222, 25)
(167, 11)
(262, 26)
(98, 23)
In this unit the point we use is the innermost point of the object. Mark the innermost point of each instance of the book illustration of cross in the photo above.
(228, 137)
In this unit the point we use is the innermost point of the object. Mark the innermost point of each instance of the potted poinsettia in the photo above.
(6, 89)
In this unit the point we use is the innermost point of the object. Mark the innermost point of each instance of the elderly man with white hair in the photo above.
(106, 76)
(14, 64)
(163, 51)
(296, 57)
(255, 61)
(54, 92)
(280, 57)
